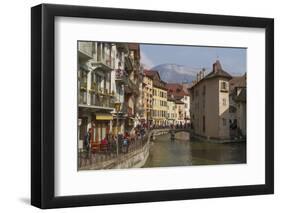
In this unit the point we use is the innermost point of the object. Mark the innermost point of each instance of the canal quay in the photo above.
(160, 149)
(131, 115)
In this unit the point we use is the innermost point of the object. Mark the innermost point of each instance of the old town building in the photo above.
(96, 101)
(147, 96)
(182, 101)
(133, 88)
(171, 110)
(237, 106)
(159, 99)
(108, 76)
(210, 104)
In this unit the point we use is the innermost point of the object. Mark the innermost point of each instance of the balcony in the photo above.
(129, 63)
(85, 50)
(83, 86)
(123, 47)
(127, 110)
(131, 87)
(105, 102)
(103, 62)
(121, 76)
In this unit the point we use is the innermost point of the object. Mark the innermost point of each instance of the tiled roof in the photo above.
(237, 81)
(157, 82)
(218, 71)
(150, 73)
(134, 46)
(176, 90)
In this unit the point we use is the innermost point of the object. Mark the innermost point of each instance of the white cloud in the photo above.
(146, 62)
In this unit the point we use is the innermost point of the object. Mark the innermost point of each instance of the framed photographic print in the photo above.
(139, 106)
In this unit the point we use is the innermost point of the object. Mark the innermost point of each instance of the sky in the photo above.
(233, 60)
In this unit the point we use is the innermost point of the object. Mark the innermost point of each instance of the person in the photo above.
(87, 139)
(125, 145)
(142, 132)
(104, 144)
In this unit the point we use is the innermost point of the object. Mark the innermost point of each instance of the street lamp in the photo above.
(148, 119)
(117, 106)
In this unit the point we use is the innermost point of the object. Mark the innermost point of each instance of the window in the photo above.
(93, 99)
(98, 51)
(98, 80)
(224, 102)
(224, 86)
(84, 97)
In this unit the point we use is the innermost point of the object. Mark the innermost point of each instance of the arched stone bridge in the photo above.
(172, 132)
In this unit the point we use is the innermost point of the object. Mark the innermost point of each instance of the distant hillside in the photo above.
(174, 73)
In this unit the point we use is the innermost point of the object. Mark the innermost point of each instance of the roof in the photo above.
(154, 75)
(216, 72)
(179, 102)
(151, 73)
(134, 46)
(237, 81)
(171, 98)
(176, 89)
(186, 87)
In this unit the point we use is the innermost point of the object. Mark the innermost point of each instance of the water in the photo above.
(185, 152)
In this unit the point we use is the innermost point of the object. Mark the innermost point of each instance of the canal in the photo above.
(186, 152)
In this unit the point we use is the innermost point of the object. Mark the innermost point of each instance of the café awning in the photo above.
(104, 116)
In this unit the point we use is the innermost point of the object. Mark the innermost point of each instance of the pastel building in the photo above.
(147, 96)
(171, 110)
(238, 106)
(209, 110)
(159, 99)
(95, 97)
(108, 76)
(182, 101)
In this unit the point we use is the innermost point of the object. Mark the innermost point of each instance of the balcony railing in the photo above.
(86, 49)
(83, 85)
(107, 102)
(132, 87)
(121, 76)
(104, 62)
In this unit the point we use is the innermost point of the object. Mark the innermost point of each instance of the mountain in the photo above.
(174, 73)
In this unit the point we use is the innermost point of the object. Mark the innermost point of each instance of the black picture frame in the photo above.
(43, 102)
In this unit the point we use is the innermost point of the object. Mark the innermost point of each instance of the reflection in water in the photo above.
(183, 152)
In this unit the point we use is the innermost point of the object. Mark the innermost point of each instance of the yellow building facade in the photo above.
(159, 98)
(147, 97)
(171, 111)
(159, 110)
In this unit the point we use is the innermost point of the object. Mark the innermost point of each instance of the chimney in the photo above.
(197, 77)
(215, 70)
(203, 72)
(217, 66)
